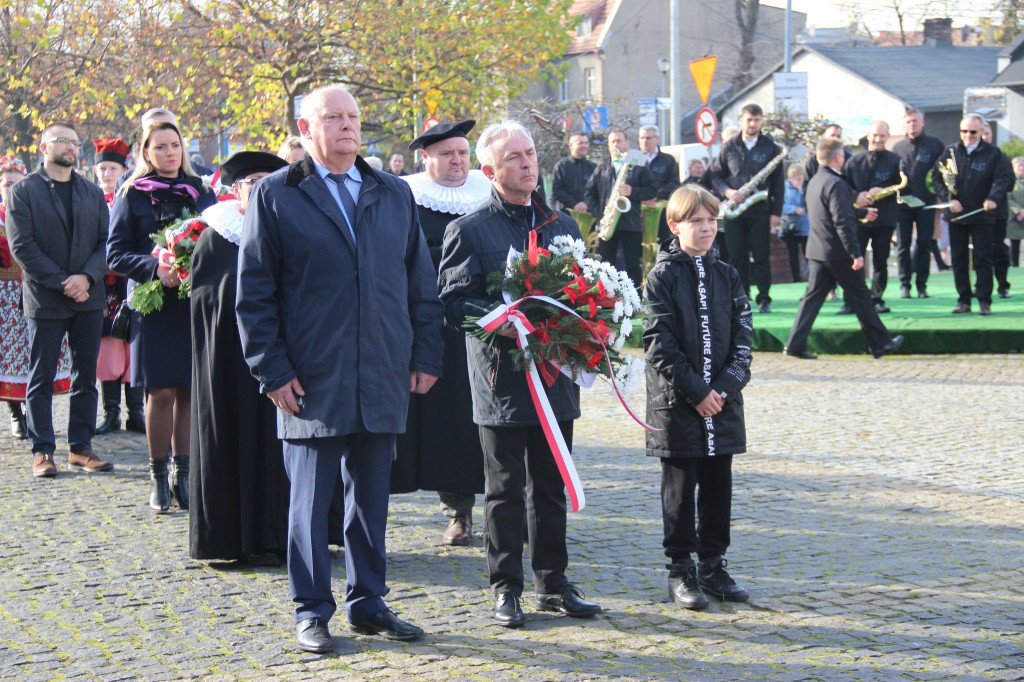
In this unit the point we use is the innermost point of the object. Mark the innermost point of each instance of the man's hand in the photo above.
(955, 207)
(873, 191)
(774, 220)
(1020, 215)
(988, 205)
(76, 287)
(858, 263)
(872, 215)
(288, 397)
(507, 330)
(420, 382)
(799, 211)
(711, 405)
(625, 190)
(862, 199)
(649, 202)
(167, 276)
(582, 206)
(734, 196)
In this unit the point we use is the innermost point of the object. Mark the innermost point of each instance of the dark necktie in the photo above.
(346, 200)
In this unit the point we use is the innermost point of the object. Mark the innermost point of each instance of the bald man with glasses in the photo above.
(971, 178)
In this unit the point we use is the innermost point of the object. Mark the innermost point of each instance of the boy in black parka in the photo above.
(698, 360)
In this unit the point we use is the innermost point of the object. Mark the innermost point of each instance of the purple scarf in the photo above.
(160, 188)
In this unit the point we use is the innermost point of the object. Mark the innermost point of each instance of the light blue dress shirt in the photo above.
(353, 184)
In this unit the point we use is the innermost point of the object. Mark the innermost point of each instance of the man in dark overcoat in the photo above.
(57, 224)
(339, 320)
(834, 257)
(516, 452)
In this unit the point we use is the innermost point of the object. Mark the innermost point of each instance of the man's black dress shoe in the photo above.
(1004, 293)
(882, 308)
(802, 354)
(569, 601)
(985, 309)
(845, 310)
(923, 293)
(890, 347)
(312, 635)
(387, 625)
(507, 610)
(962, 308)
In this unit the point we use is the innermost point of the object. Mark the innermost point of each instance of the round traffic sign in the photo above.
(707, 126)
(429, 123)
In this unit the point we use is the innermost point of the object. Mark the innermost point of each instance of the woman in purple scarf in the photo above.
(162, 189)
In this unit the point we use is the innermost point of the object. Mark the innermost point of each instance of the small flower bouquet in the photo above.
(581, 311)
(175, 245)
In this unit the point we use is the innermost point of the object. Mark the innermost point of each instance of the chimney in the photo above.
(938, 32)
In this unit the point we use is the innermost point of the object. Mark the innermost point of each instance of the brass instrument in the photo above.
(949, 173)
(731, 209)
(618, 204)
(884, 193)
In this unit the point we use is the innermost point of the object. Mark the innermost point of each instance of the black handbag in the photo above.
(121, 325)
(789, 224)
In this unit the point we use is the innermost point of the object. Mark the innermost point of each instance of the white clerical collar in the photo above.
(225, 217)
(456, 200)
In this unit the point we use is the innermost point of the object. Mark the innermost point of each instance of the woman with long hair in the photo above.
(162, 189)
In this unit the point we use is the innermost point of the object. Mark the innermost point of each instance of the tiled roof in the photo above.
(600, 12)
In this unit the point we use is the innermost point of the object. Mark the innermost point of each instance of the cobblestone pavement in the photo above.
(878, 525)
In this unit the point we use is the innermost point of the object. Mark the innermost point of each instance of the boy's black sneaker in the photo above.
(684, 590)
(715, 580)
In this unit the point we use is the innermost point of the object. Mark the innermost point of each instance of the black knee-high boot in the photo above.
(111, 407)
(134, 398)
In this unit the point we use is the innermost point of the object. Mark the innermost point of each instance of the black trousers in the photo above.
(747, 235)
(880, 238)
(632, 252)
(1000, 255)
(914, 261)
(1015, 253)
(980, 236)
(518, 457)
(822, 277)
(796, 245)
(44, 341)
(711, 477)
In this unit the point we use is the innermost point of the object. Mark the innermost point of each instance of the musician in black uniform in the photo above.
(1000, 252)
(747, 234)
(638, 187)
(834, 257)
(665, 171)
(919, 152)
(833, 131)
(870, 172)
(978, 178)
(571, 175)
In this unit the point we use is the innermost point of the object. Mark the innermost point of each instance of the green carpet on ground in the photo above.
(928, 324)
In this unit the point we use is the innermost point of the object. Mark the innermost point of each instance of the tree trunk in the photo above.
(746, 20)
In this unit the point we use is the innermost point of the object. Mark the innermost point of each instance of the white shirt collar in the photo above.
(971, 147)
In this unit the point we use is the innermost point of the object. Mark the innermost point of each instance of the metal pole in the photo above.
(674, 71)
(789, 36)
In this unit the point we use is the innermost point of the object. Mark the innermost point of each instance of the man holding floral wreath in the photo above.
(516, 453)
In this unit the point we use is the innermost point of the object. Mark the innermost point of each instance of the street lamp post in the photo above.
(664, 65)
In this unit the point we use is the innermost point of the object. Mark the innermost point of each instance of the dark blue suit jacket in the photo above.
(350, 320)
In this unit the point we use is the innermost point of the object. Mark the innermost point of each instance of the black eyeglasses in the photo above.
(970, 132)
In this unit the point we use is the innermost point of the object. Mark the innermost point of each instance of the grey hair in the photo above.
(976, 117)
(650, 129)
(1018, 159)
(158, 111)
(494, 133)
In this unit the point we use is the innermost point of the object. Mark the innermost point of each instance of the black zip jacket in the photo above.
(919, 156)
(476, 245)
(569, 181)
(737, 164)
(875, 169)
(833, 232)
(673, 346)
(599, 190)
(981, 175)
(1003, 208)
(665, 172)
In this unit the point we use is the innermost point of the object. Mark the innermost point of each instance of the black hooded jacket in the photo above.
(673, 346)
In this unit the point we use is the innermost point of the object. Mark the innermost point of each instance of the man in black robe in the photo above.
(238, 489)
(440, 449)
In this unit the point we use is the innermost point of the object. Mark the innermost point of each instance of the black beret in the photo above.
(442, 131)
(241, 164)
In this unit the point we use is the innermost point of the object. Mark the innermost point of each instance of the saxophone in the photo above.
(731, 209)
(885, 192)
(618, 204)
